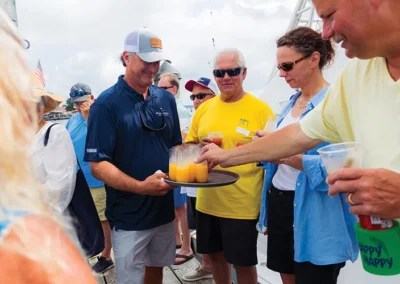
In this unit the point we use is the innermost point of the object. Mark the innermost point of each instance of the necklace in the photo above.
(303, 106)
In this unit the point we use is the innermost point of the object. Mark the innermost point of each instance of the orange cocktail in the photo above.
(217, 141)
(192, 172)
(172, 172)
(216, 137)
(182, 174)
(202, 172)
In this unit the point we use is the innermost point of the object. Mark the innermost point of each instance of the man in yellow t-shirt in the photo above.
(362, 106)
(227, 216)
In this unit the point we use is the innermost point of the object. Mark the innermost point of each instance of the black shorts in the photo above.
(191, 212)
(308, 273)
(236, 238)
(280, 254)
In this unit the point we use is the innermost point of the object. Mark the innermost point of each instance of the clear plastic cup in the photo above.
(270, 126)
(202, 172)
(193, 150)
(216, 137)
(172, 163)
(342, 155)
(182, 167)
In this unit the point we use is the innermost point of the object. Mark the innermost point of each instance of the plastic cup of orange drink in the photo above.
(202, 172)
(172, 164)
(182, 167)
(193, 154)
(216, 137)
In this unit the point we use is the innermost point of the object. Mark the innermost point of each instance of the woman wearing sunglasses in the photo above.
(310, 235)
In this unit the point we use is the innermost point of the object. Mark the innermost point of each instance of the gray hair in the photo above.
(235, 51)
(131, 54)
(172, 78)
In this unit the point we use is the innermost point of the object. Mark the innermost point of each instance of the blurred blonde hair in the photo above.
(18, 120)
(20, 193)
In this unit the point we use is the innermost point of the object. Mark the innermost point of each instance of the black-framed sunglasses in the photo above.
(167, 87)
(78, 93)
(142, 120)
(287, 66)
(200, 96)
(220, 73)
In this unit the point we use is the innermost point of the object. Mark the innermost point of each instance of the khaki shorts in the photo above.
(134, 250)
(99, 198)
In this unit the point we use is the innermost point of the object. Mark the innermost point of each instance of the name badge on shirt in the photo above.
(243, 131)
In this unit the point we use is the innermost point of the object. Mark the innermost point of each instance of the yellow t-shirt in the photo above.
(238, 121)
(362, 106)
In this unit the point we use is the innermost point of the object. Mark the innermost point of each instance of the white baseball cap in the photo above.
(146, 44)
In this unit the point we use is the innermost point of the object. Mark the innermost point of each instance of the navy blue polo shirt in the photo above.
(118, 132)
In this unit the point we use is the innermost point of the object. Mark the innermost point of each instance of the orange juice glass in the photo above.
(192, 172)
(216, 137)
(172, 172)
(182, 174)
(172, 163)
(202, 172)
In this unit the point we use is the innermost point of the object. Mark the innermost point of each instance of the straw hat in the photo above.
(52, 101)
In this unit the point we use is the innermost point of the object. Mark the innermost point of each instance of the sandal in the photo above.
(185, 258)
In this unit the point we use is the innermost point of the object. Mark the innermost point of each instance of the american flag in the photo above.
(40, 75)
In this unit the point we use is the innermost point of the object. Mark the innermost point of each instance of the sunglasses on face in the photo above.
(78, 93)
(200, 96)
(143, 121)
(167, 87)
(287, 66)
(220, 73)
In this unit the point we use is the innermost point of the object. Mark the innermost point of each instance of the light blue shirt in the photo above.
(185, 116)
(77, 128)
(323, 226)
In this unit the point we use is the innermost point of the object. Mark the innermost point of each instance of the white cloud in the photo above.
(80, 41)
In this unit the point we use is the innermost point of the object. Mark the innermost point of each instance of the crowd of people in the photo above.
(121, 141)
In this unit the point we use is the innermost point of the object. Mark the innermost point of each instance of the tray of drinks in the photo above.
(216, 178)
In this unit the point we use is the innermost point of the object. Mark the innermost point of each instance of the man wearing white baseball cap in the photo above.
(131, 128)
(146, 44)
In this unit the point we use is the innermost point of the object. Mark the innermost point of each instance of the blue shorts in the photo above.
(179, 198)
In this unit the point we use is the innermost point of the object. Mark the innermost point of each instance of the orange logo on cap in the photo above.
(155, 43)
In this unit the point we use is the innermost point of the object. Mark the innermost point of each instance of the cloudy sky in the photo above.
(80, 41)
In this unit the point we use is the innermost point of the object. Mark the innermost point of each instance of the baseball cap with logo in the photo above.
(202, 81)
(79, 92)
(146, 44)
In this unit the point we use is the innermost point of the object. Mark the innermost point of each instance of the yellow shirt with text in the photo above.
(362, 106)
(238, 121)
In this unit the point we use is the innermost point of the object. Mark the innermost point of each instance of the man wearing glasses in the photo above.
(170, 83)
(81, 96)
(227, 216)
(202, 90)
(131, 128)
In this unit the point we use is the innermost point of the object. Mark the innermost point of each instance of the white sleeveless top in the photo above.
(286, 176)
